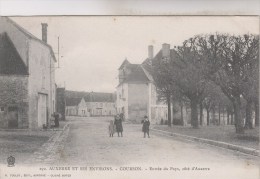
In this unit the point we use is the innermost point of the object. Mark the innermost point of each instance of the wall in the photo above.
(14, 92)
(82, 108)
(71, 110)
(122, 99)
(137, 101)
(101, 108)
(41, 80)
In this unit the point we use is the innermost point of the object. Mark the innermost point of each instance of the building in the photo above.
(98, 104)
(76, 107)
(27, 83)
(136, 92)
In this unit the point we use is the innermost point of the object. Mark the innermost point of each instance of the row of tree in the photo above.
(210, 70)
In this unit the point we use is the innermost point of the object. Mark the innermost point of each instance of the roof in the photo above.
(158, 56)
(72, 101)
(123, 64)
(10, 60)
(31, 36)
(136, 74)
(91, 96)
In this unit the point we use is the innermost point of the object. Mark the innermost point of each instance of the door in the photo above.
(42, 110)
(12, 117)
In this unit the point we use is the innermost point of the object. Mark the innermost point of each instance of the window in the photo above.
(2, 109)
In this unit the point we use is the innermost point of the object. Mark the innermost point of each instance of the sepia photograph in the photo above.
(129, 97)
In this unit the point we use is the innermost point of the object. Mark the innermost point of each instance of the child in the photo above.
(111, 128)
(146, 124)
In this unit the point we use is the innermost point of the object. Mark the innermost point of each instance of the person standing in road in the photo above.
(119, 126)
(146, 125)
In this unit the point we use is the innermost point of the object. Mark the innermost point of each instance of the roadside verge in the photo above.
(242, 149)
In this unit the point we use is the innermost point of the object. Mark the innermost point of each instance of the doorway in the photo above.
(12, 117)
(42, 110)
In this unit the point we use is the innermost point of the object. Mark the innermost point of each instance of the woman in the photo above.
(146, 124)
(119, 126)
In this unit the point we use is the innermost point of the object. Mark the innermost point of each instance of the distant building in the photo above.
(76, 107)
(97, 104)
(136, 92)
(27, 83)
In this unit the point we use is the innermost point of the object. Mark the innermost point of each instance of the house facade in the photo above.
(27, 83)
(136, 93)
(97, 103)
(76, 107)
(104, 108)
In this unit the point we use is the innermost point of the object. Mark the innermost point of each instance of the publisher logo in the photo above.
(10, 161)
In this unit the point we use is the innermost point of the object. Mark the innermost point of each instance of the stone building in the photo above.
(27, 84)
(98, 104)
(136, 92)
(76, 107)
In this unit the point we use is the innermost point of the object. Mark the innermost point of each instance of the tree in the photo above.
(250, 84)
(188, 73)
(163, 83)
(213, 97)
(228, 56)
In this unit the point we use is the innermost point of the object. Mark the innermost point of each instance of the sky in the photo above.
(93, 47)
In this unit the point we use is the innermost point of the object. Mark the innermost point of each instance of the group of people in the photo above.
(116, 126)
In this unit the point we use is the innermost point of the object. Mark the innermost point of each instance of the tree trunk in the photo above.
(207, 117)
(256, 113)
(194, 113)
(169, 110)
(232, 118)
(182, 121)
(213, 115)
(238, 117)
(201, 113)
(219, 114)
(223, 116)
(228, 117)
(249, 122)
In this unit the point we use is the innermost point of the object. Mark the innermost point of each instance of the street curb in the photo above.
(225, 145)
(50, 150)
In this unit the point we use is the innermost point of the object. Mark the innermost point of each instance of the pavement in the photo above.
(52, 149)
(86, 142)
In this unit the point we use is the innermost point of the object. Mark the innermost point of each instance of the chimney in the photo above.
(165, 50)
(44, 32)
(150, 51)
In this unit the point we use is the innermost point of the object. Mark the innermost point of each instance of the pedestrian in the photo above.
(119, 126)
(146, 125)
(111, 128)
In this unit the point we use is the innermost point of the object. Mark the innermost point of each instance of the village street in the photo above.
(88, 144)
